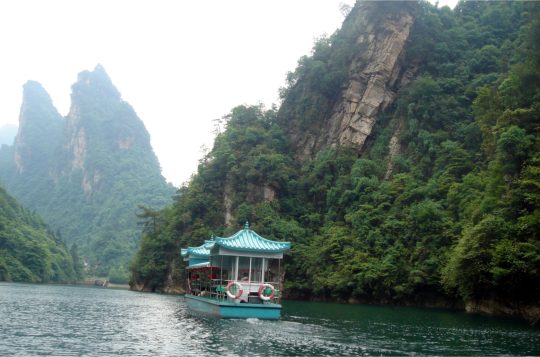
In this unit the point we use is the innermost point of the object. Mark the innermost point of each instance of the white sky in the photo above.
(179, 63)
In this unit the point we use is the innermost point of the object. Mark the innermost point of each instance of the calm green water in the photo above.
(70, 320)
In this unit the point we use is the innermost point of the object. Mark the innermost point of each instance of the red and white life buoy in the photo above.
(263, 288)
(239, 290)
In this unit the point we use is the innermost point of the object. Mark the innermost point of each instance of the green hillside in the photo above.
(441, 201)
(30, 251)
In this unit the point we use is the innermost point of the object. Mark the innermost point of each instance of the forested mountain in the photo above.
(30, 251)
(86, 174)
(403, 164)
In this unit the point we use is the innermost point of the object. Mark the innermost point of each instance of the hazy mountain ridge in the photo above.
(86, 173)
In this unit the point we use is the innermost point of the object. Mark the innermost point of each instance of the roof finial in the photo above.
(246, 226)
(212, 237)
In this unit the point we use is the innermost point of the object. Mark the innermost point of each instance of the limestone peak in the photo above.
(94, 87)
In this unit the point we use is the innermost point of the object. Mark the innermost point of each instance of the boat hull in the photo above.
(233, 310)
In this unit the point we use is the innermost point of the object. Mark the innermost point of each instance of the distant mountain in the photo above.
(86, 174)
(7, 134)
(29, 250)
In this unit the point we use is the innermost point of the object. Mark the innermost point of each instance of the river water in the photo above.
(74, 320)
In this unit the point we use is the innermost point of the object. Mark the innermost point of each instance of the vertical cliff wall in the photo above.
(373, 39)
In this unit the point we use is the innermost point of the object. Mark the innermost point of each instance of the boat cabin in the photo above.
(242, 268)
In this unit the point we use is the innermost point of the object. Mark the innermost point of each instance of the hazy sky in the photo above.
(180, 64)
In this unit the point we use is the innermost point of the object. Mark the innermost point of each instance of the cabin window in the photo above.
(250, 269)
(243, 268)
(256, 269)
(227, 266)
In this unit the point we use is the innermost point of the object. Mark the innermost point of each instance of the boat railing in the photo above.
(218, 290)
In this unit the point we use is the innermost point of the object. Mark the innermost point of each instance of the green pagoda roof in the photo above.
(202, 251)
(246, 240)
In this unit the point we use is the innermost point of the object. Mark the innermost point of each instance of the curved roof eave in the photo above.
(247, 240)
(255, 250)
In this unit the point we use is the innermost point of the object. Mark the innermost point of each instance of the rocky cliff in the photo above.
(335, 97)
(375, 69)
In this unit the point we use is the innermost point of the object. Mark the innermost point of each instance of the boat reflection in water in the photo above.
(236, 277)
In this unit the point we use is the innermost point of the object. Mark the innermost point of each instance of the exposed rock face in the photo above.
(78, 149)
(125, 144)
(255, 193)
(90, 181)
(493, 307)
(259, 193)
(375, 74)
(394, 149)
(227, 203)
(269, 194)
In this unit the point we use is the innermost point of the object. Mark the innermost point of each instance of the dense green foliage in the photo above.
(30, 251)
(86, 174)
(459, 215)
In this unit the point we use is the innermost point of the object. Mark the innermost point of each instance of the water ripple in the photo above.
(83, 321)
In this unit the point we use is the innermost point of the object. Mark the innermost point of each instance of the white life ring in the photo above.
(262, 288)
(239, 290)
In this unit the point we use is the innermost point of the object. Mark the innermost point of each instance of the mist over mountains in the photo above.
(7, 134)
(85, 174)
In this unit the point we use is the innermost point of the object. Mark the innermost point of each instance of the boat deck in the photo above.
(228, 309)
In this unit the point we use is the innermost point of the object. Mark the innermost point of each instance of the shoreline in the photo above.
(530, 313)
(103, 283)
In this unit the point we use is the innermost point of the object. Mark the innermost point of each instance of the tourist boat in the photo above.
(235, 277)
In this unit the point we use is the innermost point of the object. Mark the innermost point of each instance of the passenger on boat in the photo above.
(245, 277)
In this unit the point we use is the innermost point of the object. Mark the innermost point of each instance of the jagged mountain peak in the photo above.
(37, 104)
(97, 77)
(99, 113)
(34, 89)
(93, 88)
(40, 127)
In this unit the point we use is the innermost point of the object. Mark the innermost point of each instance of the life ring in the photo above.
(262, 288)
(239, 288)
